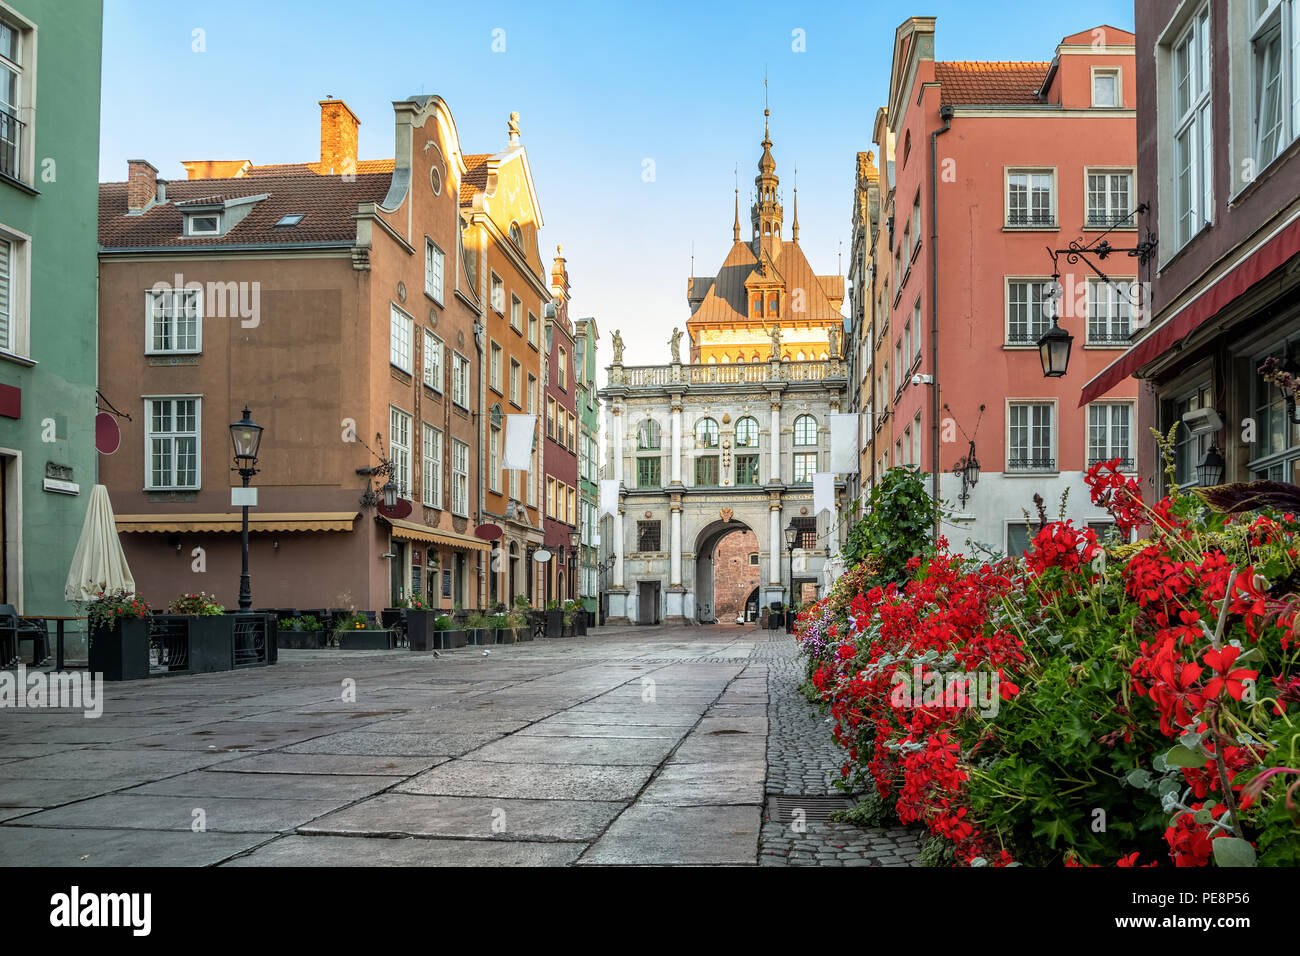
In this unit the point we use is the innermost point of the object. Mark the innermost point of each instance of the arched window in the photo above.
(516, 235)
(706, 433)
(755, 358)
(740, 359)
(801, 356)
(805, 430)
(726, 359)
(647, 435)
(747, 432)
(824, 356)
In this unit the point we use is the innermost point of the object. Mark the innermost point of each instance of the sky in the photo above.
(601, 88)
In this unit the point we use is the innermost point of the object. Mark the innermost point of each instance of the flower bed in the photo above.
(1091, 703)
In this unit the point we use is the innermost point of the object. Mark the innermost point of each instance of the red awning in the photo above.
(1209, 303)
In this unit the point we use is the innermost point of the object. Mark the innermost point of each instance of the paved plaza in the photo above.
(631, 746)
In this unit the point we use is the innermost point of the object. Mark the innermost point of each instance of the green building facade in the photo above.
(49, 201)
(586, 337)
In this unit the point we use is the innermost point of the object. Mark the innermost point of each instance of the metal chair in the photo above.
(14, 630)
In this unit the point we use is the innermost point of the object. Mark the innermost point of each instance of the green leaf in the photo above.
(1233, 851)
(1139, 778)
(1159, 763)
(1180, 756)
(1203, 816)
(1191, 740)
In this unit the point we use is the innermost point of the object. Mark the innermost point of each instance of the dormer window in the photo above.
(516, 235)
(773, 307)
(203, 224)
(756, 305)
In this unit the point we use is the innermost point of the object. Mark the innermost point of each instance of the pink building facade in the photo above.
(993, 165)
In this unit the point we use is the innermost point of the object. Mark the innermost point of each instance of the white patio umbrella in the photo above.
(98, 564)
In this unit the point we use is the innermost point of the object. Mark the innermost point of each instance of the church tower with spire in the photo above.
(764, 284)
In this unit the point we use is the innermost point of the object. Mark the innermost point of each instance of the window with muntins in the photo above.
(399, 450)
(1026, 320)
(459, 478)
(1110, 198)
(1110, 434)
(433, 270)
(706, 470)
(1109, 312)
(399, 342)
(648, 435)
(747, 432)
(1030, 198)
(175, 320)
(1193, 148)
(805, 466)
(172, 443)
(805, 430)
(1030, 446)
(432, 449)
(647, 535)
(432, 361)
(706, 433)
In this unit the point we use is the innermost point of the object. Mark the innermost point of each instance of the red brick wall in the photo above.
(733, 576)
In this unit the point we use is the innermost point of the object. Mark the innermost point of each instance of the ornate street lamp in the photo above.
(968, 470)
(246, 435)
(1210, 471)
(791, 534)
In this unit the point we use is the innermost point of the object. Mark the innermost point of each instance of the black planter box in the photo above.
(301, 640)
(120, 651)
(554, 623)
(419, 629)
(212, 643)
(369, 639)
(581, 623)
(448, 640)
(569, 630)
(478, 636)
(504, 635)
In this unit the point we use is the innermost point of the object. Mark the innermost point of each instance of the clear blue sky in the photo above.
(600, 87)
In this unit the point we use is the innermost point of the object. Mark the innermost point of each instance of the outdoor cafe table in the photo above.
(58, 632)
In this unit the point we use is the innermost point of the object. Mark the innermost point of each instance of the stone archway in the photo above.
(724, 576)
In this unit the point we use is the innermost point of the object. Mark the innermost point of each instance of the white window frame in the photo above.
(434, 355)
(401, 335)
(17, 339)
(531, 395)
(25, 108)
(516, 313)
(435, 267)
(431, 449)
(533, 325)
(1117, 74)
(399, 449)
(459, 478)
(192, 216)
(1050, 172)
(152, 296)
(1110, 218)
(1282, 19)
(516, 386)
(1032, 341)
(803, 456)
(196, 434)
(1130, 456)
(460, 379)
(495, 354)
(494, 459)
(1118, 302)
(1192, 208)
(1054, 426)
(497, 294)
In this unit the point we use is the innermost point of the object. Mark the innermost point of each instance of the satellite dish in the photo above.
(541, 557)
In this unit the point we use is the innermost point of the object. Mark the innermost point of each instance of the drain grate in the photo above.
(781, 807)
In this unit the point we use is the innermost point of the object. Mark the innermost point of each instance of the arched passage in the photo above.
(726, 570)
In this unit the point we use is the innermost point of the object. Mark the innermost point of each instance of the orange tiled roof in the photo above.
(999, 83)
(475, 176)
(724, 298)
(364, 167)
(325, 202)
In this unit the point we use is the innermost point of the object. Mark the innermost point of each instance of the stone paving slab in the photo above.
(135, 766)
(322, 851)
(602, 751)
(344, 764)
(650, 835)
(482, 818)
(202, 784)
(548, 728)
(394, 744)
(693, 784)
(547, 782)
(223, 814)
(35, 846)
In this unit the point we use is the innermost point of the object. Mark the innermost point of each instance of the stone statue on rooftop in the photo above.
(618, 348)
(776, 343)
(833, 336)
(675, 343)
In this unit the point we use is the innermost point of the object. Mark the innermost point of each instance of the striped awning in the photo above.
(281, 521)
(411, 531)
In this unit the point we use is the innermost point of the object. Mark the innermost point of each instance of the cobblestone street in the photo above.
(632, 746)
(803, 760)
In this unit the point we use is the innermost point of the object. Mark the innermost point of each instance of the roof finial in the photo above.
(766, 112)
(794, 230)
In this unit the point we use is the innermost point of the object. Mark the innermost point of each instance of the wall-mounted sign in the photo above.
(243, 497)
(541, 556)
(62, 487)
(107, 435)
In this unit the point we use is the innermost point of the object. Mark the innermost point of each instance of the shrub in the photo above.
(200, 603)
(1130, 701)
(115, 605)
(898, 525)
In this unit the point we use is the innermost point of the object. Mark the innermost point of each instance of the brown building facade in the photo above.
(335, 300)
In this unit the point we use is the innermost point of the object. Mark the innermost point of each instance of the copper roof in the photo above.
(325, 202)
(971, 83)
(724, 298)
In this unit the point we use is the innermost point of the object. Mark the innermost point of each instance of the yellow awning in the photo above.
(279, 521)
(410, 531)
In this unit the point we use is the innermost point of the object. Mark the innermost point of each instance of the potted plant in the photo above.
(570, 612)
(118, 635)
(448, 634)
(304, 631)
(554, 619)
(481, 629)
(211, 632)
(359, 632)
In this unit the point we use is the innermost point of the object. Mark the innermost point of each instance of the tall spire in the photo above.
(794, 229)
(735, 230)
(765, 213)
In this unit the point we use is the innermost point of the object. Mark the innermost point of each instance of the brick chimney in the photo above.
(141, 184)
(338, 138)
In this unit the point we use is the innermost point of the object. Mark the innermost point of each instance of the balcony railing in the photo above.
(1031, 464)
(641, 376)
(1036, 220)
(1124, 464)
(1111, 337)
(1025, 336)
(11, 145)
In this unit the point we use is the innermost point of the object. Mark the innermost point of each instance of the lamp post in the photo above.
(246, 436)
(575, 561)
(791, 533)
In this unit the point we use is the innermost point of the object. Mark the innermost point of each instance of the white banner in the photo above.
(608, 497)
(823, 492)
(519, 442)
(844, 444)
